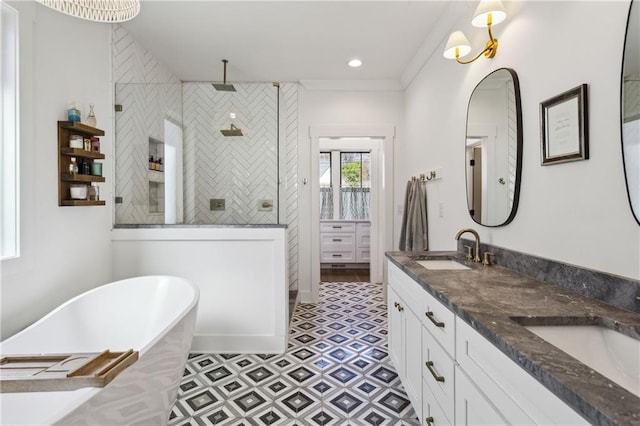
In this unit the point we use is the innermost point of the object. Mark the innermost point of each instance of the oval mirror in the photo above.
(630, 108)
(494, 149)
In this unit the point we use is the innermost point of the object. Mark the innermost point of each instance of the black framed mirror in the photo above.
(630, 108)
(493, 148)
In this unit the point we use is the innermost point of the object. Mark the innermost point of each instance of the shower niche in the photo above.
(180, 145)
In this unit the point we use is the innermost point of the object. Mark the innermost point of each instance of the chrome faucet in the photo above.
(477, 237)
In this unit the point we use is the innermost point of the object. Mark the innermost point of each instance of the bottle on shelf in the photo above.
(151, 163)
(73, 166)
(73, 113)
(95, 144)
(91, 118)
(86, 168)
(160, 165)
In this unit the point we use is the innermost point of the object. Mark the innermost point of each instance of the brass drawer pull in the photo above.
(337, 227)
(430, 421)
(433, 319)
(433, 372)
(337, 240)
(336, 255)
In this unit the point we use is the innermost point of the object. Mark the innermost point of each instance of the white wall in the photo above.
(329, 106)
(577, 212)
(65, 250)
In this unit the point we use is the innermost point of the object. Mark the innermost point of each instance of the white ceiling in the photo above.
(289, 40)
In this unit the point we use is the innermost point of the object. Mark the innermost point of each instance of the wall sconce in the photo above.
(488, 13)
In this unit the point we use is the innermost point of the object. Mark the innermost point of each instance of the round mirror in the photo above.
(630, 108)
(494, 149)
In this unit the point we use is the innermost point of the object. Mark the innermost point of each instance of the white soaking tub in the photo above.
(154, 315)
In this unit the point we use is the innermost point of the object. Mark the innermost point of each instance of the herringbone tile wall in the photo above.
(242, 170)
(145, 107)
(132, 63)
(289, 209)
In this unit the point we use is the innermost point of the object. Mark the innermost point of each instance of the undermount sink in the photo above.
(441, 264)
(609, 352)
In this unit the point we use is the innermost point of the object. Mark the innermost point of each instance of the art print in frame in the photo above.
(564, 127)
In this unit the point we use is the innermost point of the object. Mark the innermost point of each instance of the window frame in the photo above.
(10, 128)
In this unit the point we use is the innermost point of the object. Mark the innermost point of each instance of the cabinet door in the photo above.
(432, 413)
(396, 330)
(413, 359)
(472, 408)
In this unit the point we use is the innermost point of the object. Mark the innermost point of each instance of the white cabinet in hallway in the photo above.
(344, 243)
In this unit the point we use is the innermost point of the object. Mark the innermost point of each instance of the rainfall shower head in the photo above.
(224, 87)
(233, 131)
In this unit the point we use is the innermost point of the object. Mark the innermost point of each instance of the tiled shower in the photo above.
(207, 178)
(220, 179)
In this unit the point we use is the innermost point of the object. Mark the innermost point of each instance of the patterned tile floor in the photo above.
(336, 371)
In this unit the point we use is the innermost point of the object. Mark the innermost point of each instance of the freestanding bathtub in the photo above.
(154, 315)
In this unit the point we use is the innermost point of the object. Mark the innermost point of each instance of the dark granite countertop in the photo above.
(488, 298)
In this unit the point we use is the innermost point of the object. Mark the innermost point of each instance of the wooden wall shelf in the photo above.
(83, 203)
(65, 153)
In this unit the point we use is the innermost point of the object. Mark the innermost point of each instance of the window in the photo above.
(345, 185)
(9, 246)
(326, 189)
(355, 185)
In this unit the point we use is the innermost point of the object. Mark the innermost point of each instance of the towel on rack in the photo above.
(414, 231)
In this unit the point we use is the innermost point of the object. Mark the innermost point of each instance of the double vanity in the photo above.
(477, 344)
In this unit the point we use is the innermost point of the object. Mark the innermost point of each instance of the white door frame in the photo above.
(381, 213)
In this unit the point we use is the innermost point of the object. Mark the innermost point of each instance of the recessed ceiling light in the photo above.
(355, 63)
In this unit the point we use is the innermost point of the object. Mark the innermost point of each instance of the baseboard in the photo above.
(248, 344)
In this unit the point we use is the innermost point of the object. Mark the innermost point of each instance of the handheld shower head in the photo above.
(224, 87)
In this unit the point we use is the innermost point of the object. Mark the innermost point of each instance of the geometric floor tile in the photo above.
(336, 372)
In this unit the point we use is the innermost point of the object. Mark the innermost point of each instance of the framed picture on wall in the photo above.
(564, 127)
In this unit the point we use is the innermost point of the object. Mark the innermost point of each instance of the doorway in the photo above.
(381, 231)
(345, 179)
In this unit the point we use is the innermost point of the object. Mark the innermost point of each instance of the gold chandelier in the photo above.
(109, 11)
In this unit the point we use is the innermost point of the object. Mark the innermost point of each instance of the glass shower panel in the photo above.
(186, 153)
(148, 121)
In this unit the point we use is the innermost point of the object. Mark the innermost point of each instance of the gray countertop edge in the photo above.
(596, 398)
(188, 225)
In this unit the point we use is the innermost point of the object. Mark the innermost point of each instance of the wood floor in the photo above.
(344, 275)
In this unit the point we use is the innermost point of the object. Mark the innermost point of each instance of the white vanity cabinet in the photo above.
(344, 243)
(520, 398)
(472, 408)
(404, 345)
(465, 379)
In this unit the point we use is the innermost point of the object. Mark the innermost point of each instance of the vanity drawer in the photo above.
(337, 242)
(337, 256)
(438, 370)
(438, 320)
(334, 227)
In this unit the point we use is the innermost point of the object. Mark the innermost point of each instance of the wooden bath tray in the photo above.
(61, 372)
